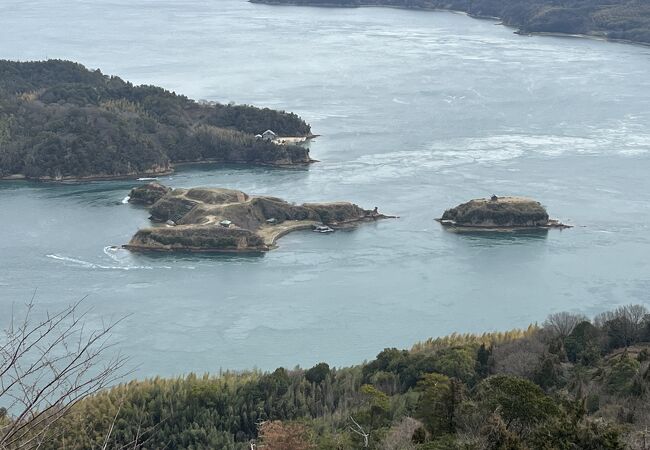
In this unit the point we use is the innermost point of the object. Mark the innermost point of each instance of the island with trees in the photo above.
(227, 220)
(59, 120)
(626, 20)
(571, 383)
(499, 213)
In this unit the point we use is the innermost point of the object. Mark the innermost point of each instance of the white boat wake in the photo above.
(112, 253)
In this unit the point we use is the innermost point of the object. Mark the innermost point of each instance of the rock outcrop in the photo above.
(198, 238)
(212, 219)
(499, 212)
(148, 194)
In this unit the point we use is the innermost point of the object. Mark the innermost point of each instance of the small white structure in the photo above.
(322, 229)
(269, 135)
(225, 223)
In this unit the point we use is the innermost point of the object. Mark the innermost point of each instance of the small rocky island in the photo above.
(227, 220)
(501, 213)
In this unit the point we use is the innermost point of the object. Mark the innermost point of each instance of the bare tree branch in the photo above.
(47, 366)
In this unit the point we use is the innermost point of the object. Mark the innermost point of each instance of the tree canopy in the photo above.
(61, 120)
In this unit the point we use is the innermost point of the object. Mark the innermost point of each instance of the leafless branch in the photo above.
(47, 366)
(358, 429)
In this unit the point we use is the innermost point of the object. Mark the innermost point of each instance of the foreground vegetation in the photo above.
(613, 19)
(571, 383)
(61, 120)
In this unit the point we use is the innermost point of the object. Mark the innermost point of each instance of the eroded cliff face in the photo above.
(197, 238)
(212, 219)
(504, 212)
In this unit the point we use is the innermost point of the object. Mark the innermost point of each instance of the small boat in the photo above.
(147, 179)
(322, 229)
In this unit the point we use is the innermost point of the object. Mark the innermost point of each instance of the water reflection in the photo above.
(198, 257)
(493, 238)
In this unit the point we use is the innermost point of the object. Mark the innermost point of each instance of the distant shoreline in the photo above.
(517, 29)
(171, 168)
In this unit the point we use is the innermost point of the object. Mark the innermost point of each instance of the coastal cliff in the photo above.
(499, 213)
(61, 121)
(227, 220)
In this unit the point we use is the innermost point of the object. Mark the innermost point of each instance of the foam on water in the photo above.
(90, 265)
(112, 253)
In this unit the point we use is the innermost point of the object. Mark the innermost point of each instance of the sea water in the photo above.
(418, 111)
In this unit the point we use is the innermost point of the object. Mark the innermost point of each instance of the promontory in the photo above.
(499, 213)
(227, 220)
(59, 121)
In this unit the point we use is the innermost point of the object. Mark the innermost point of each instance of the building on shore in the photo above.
(269, 135)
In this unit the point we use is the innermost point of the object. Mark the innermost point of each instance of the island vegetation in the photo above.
(627, 20)
(571, 383)
(227, 220)
(502, 213)
(59, 120)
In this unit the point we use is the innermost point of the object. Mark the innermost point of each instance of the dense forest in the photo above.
(571, 383)
(59, 119)
(613, 19)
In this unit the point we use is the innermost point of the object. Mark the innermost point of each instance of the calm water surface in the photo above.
(417, 112)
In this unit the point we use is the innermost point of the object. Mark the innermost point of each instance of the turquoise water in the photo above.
(417, 112)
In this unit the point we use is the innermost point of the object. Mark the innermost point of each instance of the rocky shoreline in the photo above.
(171, 169)
(71, 179)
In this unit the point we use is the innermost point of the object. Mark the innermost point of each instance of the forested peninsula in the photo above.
(59, 120)
(626, 20)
